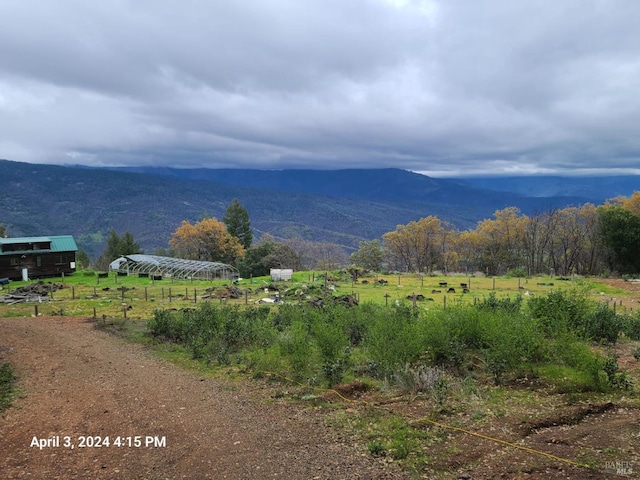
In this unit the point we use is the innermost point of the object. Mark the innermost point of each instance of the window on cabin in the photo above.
(38, 261)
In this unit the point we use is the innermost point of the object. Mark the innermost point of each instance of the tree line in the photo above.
(584, 240)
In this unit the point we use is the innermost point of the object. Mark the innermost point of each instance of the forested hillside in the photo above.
(341, 207)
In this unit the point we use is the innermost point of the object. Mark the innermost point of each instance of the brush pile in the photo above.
(34, 292)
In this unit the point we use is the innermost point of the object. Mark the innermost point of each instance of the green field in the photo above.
(84, 294)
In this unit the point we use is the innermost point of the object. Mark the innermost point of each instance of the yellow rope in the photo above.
(441, 425)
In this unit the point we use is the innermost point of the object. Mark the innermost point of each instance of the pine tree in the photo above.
(117, 247)
(236, 219)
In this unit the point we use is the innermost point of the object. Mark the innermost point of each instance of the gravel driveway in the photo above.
(80, 386)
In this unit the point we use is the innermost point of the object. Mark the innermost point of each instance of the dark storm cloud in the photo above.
(441, 87)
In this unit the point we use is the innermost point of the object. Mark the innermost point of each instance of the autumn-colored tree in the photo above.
(502, 241)
(631, 203)
(467, 245)
(206, 240)
(3, 231)
(419, 245)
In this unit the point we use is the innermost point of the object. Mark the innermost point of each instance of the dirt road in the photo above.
(79, 382)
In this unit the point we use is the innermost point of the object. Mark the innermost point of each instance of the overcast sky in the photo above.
(441, 87)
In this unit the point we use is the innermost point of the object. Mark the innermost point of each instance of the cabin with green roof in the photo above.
(24, 258)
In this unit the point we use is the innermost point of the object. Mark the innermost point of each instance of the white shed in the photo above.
(278, 274)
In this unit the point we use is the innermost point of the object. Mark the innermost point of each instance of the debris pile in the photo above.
(226, 291)
(35, 292)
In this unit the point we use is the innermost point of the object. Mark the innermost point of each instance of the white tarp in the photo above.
(278, 274)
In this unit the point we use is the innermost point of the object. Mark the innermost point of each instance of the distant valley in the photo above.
(338, 206)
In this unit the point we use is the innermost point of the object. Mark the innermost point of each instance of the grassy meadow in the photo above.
(84, 294)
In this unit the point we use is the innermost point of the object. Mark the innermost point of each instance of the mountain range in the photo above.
(338, 206)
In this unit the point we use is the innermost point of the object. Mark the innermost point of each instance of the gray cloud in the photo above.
(445, 88)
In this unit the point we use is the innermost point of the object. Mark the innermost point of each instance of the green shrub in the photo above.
(294, 345)
(504, 304)
(510, 340)
(560, 311)
(631, 326)
(443, 337)
(603, 324)
(393, 339)
(334, 348)
(518, 272)
(615, 378)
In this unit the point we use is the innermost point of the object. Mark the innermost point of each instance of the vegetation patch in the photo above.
(7, 386)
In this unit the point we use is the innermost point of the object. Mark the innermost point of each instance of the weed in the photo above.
(7, 386)
(615, 378)
(376, 448)
(415, 379)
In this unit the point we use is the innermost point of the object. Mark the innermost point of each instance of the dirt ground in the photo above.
(80, 382)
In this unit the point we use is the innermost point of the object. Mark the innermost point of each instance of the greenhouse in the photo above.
(168, 267)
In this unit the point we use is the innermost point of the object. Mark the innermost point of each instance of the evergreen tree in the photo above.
(236, 219)
(117, 247)
(128, 245)
(620, 230)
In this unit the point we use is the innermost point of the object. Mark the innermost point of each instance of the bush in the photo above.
(393, 339)
(334, 348)
(602, 325)
(518, 272)
(294, 346)
(510, 340)
(615, 378)
(631, 326)
(504, 304)
(213, 332)
(560, 311)
(446, 336)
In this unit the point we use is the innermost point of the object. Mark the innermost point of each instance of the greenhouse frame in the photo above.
(169, 267)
